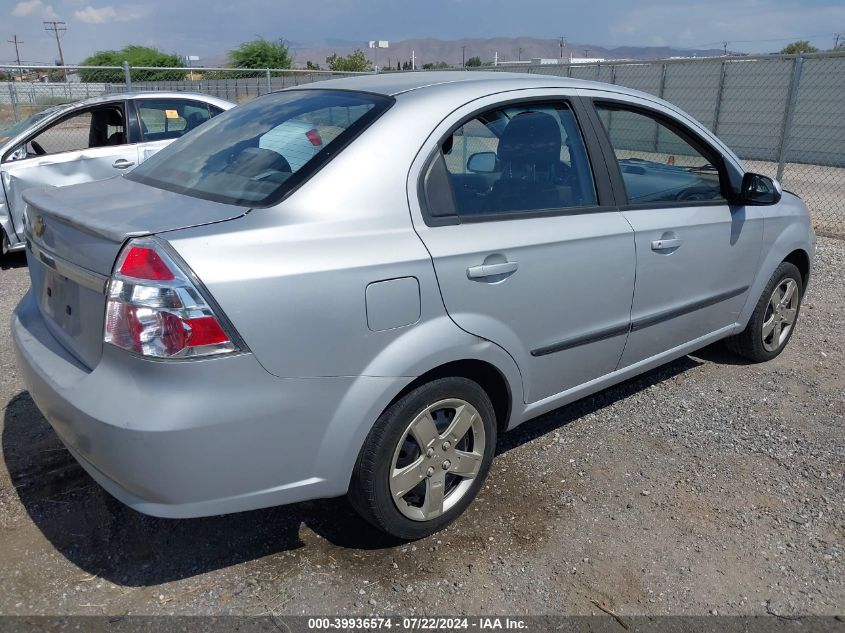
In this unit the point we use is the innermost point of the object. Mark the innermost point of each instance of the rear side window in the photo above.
(254, 154)
(163, 119)
(658, 165)
(521, 158)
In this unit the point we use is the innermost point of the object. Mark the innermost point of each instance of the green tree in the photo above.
(474, 62)
(136, 56)
(354, 62)
(309, 65)
(801, 46)
(435, 66)
(260, 53)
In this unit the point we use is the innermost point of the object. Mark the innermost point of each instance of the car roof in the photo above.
(164, 94)
(393, 84)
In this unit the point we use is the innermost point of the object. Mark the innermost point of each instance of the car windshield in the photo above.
(254, 154)
(23, 124)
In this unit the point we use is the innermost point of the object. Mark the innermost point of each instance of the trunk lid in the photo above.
(74, 235)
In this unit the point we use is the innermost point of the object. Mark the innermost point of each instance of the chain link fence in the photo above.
(27, 90)
(783, 115)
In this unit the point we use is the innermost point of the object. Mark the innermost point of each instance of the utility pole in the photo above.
(725, 48)
(519, 56)
(587, 52)
(463, 56)
(16, 41)
(57, 27)
(562, 43)
(836, 38)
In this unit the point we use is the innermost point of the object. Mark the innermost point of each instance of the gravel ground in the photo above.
(706, 486)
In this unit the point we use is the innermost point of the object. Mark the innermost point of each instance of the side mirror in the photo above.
(759, 190)
(483, 163)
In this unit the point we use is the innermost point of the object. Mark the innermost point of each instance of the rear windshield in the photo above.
(252, 155)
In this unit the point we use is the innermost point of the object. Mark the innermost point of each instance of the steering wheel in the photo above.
(36, 147)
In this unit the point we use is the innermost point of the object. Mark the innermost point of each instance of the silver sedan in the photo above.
(463, 252)
(89, 140)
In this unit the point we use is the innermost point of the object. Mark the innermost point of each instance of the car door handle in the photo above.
(491, 270)
(122, 163)
(665, 244)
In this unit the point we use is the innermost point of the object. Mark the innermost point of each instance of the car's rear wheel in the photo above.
(425, 458)
(774, 318)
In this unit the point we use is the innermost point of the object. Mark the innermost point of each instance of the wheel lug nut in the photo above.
(429, 452)
(446, 465)
(446, 446)
(429, 472)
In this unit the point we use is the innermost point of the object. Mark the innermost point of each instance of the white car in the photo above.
(90, 140)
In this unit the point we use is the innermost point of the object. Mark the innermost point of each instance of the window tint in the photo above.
(657, 164)
(100, 127)
(520, 158)
(163, 119)
(253, 154)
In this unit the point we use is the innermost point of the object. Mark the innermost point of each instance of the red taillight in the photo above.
(155, 310)
(144, 263)
(314, 137)
(205, 331)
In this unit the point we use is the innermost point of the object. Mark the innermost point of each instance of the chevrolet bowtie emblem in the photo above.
(39, 226)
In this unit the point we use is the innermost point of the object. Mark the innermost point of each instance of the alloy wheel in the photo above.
(780, 315)
(436, 459)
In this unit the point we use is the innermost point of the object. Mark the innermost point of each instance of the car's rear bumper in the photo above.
(197, 438)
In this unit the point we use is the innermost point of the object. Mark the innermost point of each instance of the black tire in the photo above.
(750, 342)
(369, 491)
(4, 244)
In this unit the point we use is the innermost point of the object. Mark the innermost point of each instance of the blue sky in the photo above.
(211, 27)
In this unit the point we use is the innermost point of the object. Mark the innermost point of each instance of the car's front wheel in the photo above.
(774, 318)
(425, 458)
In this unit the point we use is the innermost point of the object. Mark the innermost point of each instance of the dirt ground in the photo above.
(706, 486)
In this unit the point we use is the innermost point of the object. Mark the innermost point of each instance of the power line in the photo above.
(774, 39)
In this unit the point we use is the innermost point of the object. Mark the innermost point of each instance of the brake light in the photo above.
(144, 263)
(154, 309)
(314, 137)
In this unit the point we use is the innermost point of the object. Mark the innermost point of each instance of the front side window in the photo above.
(254, 154)
(657, 163)
(521, 158)
(163, 119)
(100, 127)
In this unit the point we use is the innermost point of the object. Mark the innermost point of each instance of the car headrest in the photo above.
(530, 138)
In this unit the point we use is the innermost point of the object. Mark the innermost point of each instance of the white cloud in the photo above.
(36, 8)
(109, 14)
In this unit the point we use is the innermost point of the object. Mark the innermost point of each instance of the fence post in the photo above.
(788, 113)
(661, 89)
(269, 81)
(719, 94)
(13, 99)
(127, 76)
